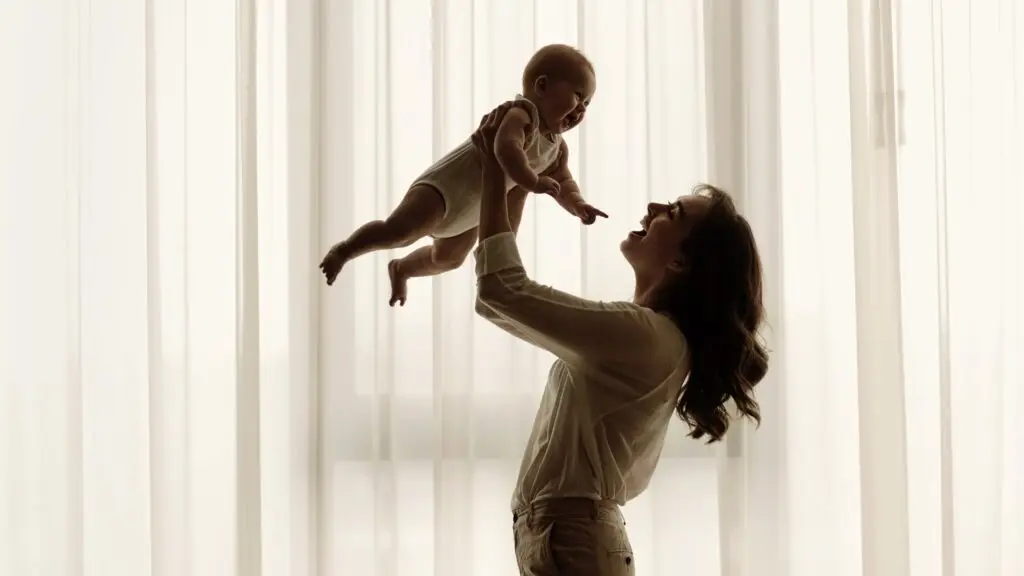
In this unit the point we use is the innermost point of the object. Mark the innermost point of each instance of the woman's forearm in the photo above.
(516, 203)
(493, 204)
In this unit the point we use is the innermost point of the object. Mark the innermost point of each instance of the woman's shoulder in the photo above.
(647, 347)
(663, 336)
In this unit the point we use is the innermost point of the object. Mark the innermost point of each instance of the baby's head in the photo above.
(560, 81)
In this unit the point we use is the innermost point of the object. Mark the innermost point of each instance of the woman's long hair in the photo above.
(717, 304)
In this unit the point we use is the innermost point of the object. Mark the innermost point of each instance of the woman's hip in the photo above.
(570, 537)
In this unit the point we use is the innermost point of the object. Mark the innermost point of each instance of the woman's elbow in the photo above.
(492, 295)
(492, 291)
(487, 290)
(483, 309)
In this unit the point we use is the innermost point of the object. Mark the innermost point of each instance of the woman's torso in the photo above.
(598, 434)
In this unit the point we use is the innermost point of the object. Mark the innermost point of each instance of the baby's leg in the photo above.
(443, 255)
(417, 214)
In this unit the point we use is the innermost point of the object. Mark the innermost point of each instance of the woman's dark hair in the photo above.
(717, 304)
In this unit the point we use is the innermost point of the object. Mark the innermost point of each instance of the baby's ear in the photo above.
(540, 84)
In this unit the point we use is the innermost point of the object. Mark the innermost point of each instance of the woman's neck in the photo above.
(643, 293)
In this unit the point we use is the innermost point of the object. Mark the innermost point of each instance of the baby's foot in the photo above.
(397, 284)
(333, 262)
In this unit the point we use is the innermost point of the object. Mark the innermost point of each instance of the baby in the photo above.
(444, 202)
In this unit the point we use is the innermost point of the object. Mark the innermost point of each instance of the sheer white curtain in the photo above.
(158, 356)
(882, 165)
(181, 395)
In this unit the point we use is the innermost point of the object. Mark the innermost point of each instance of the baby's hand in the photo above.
(547, 185)
(587, 213)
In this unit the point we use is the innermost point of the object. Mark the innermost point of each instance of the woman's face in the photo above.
(654, 249)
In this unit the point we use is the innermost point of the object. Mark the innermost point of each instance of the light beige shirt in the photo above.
(611, 393)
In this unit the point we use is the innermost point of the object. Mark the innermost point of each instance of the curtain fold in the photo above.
(181, 395)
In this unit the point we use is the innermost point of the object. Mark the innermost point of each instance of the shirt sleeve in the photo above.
(575, 329)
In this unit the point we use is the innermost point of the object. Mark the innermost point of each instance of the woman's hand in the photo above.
(483, 137)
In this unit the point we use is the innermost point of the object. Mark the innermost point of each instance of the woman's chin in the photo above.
(629, 244)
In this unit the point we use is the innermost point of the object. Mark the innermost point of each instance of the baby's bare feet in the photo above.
(333, 262)
(397, 284)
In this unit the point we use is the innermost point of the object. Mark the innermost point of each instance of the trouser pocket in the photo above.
(597, 547)
(573, 547)
(533, 549)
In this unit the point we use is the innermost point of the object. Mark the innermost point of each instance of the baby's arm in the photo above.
(509, 144)
(569, 196)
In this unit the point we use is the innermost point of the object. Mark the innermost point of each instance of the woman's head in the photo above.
(696, 261)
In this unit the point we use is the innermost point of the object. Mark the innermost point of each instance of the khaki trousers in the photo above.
(572, 537)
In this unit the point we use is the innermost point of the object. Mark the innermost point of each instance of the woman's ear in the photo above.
(677, 267)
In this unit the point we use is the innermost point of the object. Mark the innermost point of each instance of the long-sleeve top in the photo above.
(610, 394)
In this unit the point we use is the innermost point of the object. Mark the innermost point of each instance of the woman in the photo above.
(686, 343)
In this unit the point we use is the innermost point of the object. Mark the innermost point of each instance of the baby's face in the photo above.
(564, 101)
